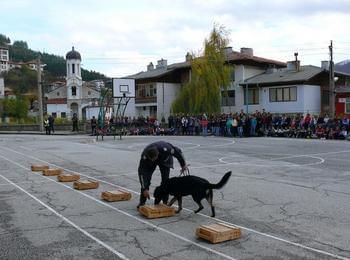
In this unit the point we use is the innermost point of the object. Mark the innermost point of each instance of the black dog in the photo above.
(195, 186)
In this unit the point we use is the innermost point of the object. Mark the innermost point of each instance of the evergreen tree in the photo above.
(209, 77)
(4, 40)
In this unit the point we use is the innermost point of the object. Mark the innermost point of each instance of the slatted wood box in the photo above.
(52, 172)
(85, 185)
(38, 167)
(219, 232)
(68, 177)
(157, 211)
(115, 195)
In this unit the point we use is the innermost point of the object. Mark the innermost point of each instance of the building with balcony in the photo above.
(157, 87)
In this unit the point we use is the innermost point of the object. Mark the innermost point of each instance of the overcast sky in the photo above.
(119, 37)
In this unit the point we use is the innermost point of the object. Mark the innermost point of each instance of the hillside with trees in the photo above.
(55, 65)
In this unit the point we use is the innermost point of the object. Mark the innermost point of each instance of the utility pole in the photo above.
(331, 83)
(40, 97)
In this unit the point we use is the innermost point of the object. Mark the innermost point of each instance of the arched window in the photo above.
(74, 91)
(73, 68)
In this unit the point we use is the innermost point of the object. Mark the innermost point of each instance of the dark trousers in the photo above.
(145, 177)
(47, 130)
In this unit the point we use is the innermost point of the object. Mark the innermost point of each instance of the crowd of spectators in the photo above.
(260, 123)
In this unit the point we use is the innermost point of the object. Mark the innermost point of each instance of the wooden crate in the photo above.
(39, 167)
(85, 185)
(116, 195)
(157, 211)
(52, 172)
(68, 177)
(218, 232)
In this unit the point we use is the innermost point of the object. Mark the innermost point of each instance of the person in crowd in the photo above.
(51, 123)
(47, 126)
(93, 125)
(75, 122)
(204, 124)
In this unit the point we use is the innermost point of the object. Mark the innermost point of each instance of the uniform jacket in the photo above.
(165, 157)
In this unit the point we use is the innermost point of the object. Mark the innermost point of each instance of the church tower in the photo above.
(74, 83)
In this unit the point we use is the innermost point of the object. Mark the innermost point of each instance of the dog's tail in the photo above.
(222, 182)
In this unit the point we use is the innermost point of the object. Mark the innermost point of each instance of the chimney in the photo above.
(228, 50)
(188, 57)
(293, 65)
(150, 66)
(247, 51)
(325, 64)
(161, 64)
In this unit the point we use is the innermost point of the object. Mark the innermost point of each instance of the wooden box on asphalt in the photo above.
(116, 195)
(218, 232)
(68, 177)
(85, 185)
(157, 211)
(52, 172)
(39, 167)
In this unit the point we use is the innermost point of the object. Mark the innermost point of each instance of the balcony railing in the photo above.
(139, 100)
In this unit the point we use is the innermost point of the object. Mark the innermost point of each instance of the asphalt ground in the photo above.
(290, 197)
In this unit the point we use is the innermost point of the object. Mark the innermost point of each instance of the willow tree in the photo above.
(209, 76)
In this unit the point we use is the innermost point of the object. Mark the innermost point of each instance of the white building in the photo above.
(294, 89)
(74, 97)
(157, 87)
(4, 59)
(245, 65)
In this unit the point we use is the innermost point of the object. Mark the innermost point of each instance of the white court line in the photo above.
(66, 219)
(122, 212)
(24, 182)
(206, 216)
(321, 160)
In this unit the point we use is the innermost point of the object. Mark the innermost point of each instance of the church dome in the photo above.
(73, 55)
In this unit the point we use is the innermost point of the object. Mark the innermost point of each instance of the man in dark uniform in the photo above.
(157, 154)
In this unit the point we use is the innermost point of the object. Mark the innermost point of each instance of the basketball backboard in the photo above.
(123, 87)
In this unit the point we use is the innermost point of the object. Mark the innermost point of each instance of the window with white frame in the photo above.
(229, 99)
(283, 94)
(347, 106)
(253, 96)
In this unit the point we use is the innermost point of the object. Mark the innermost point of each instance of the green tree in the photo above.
(21, 80)
(4, 40)
(209, 77)
(15, 107)
(20, 45)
